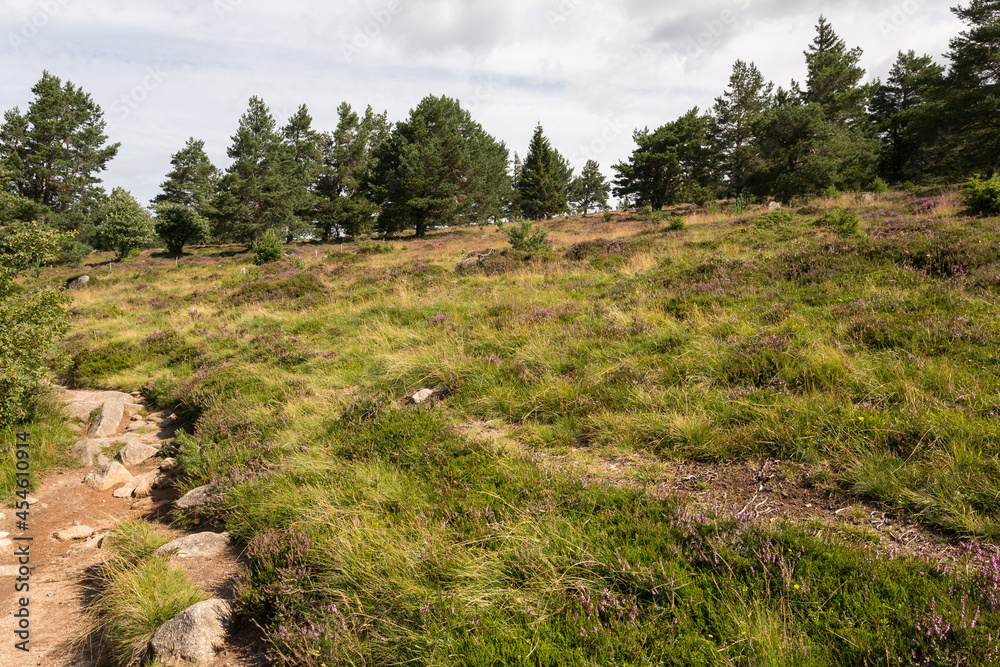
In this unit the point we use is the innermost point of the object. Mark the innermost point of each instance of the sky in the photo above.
(590, 71)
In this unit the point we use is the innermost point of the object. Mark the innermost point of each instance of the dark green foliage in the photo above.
(677, 223)
(773, 219)
(54, 152)
(348, 156)
(438, 168)
(179, 225)
(267, 248)
(374, 247)
(733, 119)
(526, 237)
(543, 183)
(260, 189)
(982, 197)
(671, 165)
(304, 147)
(590, 189)
(834, 80)
(192, 181)
(124, 225)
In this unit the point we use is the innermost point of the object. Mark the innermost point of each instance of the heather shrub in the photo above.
(842, 221)
(982, 197)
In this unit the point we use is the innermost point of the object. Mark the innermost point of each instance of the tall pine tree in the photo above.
(193, 179)
(590, 189)
(734, 115)
(544, 180)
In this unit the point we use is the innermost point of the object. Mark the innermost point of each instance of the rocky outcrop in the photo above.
(198, 545)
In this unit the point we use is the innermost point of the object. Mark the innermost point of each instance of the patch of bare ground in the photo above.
(62, 572)
(774, 490)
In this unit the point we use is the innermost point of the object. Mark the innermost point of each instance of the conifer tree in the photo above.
(303, 167)
(53, 153)
(590, 189)
(544, 179)
(440, 168)
(193, 179)
(734, 115)
(834, 80)
(258, 190)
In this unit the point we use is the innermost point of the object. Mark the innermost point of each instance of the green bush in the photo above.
(842, 221)
(267, 248)
(124, 225)
(771, 220)
(879, 186)
(982, 197)
(646, 212)
(608, 216)
(677, 223)
(374, 248)
(527, 238)
(658, 216)
(179, 225)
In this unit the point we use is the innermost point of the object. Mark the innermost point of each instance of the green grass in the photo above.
(382, 534)
(137, 591)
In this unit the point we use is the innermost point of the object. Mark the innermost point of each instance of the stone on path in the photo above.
(107, 421)
(197, 545)
(194, 636)
(87, 450)
(193, 498)
(135, 453)
(107, 476)
(145, 483)
(74, 533)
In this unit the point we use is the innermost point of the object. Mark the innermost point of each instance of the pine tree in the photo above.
(303, 167)
(258, 191)
(590, 189)
(673, 164)
(746, 100)
(348, 157)
(193, 179)
(971, 110)
(544, 179)
(834, 80)
(902, 110)
(53, 153)
(439, 168)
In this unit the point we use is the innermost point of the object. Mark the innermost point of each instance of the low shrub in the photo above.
(527, 238)
(842, 221)
(677, 223)
(608, 216)
(267, 248)
(982, 197)
(366, 247)
(773, 219)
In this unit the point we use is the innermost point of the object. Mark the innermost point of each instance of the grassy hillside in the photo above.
(537, 514)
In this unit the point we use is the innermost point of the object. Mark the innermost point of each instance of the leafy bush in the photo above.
(608, 216)
(982, 197)
(677, 223)
(267, 248)
(842, 221)
(124, 225)
(742, 204)
(527, 238)
(658, 216)
(879, 186)
(646, 212)
(179, 225)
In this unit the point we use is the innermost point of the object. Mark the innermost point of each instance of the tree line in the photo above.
(926, 122)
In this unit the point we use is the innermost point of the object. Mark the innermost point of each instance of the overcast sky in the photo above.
(591, 71)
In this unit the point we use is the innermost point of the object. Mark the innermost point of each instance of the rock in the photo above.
(138, 423)
(134, 454)
(6, 544)
(169, 464)
(423, 395)
(107, 476)
(74, 533)
(78, 283)
(107, 421)
(87, 450)
(193, 498)
(137, 418)
(774, 206)
(144, 484)
(31, 500)
(125, 491)
(103, 459)
(194, 636)
(197, 545)
(96, 541)
(867, 198)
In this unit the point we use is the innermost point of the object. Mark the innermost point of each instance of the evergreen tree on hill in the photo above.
(544, 180)
(305, 164)
(258, 190)
(53, 153)
(438, 168)
(590, 189)
(734, 114)
(193, 179)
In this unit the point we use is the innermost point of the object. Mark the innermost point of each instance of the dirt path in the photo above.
(59, 569)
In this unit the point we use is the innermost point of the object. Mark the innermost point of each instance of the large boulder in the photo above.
(194, 636)
(107, 476)
(194, 497)
(87, 450)
(134, 454)
(78, 283)
(108, 420)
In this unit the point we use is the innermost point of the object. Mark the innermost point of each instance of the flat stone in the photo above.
(144, 484)
(107, 476)
(193, 498)
(197, 545)
(134, 454)
(74, 533)
(125, 491)
(423, 395)
(194, 636)
(107, 421)
(81, 409)
(137, 424)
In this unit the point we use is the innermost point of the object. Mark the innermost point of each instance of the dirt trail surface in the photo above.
(61, 570)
